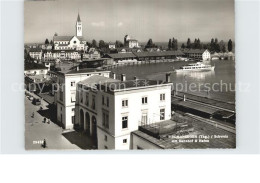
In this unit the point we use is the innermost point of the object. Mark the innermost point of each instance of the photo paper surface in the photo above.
(129, 75)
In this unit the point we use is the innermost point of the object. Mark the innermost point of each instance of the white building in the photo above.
(111, 45)
(198, 54)
(66, 93)
(35, 69)
(114, 109)
(62, 54)
(69, 43)
(36, 53)
(130, 43)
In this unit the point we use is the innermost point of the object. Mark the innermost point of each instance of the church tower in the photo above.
(78, 26)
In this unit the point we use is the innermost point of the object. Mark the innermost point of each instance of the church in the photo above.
(76, 42)
(68, 47)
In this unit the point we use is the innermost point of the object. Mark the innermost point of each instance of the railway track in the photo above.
(204, 104)
(214, 123)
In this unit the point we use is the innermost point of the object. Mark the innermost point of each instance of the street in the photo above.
(56, 138)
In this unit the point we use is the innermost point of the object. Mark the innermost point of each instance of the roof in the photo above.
(122, 85)
(35, 50)
(59, 51)
(82, 71)
(145, 54)
(62, 38)
(167, 135)
(96, 79)
(194, 51)
(78, 19)
(158, 54)
(33, 66)
(122, 55)
(131, 40)
(67, 38)
(39, 78)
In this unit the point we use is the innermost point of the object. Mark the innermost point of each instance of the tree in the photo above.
(216, 40)
(222, 46)
(199, 44)
(94, 43)
(56, 34)
(119, 44)
(230, 46)
(188, 43)
(89, 44)
(102, 44)
(150, 44)
(174, 44)
(51, 42)
(47, 41)
(212, 45)
(216, 45)
(170, 44)
(183, 46)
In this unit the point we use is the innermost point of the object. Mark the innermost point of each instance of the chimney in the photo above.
(113, 75)
(135, 77)
(123, 77)
(168, 77)
(184, 98)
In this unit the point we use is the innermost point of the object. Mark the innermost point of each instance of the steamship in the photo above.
(195, 67)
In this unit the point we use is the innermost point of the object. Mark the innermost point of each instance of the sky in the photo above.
(111, 20)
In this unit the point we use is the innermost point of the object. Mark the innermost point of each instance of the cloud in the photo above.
(119, 24)
(98, 24)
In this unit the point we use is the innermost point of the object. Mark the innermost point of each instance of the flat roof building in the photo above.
(110, 110)
(66, 92)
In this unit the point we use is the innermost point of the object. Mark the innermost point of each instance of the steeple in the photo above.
(78, 26)
(78, 19)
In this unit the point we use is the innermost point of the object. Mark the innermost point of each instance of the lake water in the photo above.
(218, 84)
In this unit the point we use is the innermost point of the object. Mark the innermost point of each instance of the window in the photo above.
(124, 141)
(162, 114)
(72, 83)
(73, 97)
(162, 97)
(61, 95)
(93, 102)
(144, 118)
(105, 119)
(105, 138)
(73, 119)
(87, 100)
(105, 147)
(144, 100)
(124, 103)
(81, 97)
(124, 122)
(103, 100)
(107, 102)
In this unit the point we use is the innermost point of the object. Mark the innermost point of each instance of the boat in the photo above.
(195, 67)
